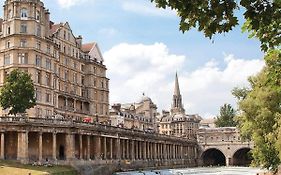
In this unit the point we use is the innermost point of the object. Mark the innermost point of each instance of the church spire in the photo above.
(177, 87)
(177, 106)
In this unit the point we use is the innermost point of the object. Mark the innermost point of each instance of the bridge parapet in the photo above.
(225, 140)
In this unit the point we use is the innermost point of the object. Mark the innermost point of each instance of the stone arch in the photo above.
(242, 157)
(213, 157)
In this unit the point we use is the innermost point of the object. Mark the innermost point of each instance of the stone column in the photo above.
(169, 151)
(127, 149)
(144, 150)
(54, 146)
(70, 147)
(132, 150)
(2, 154)
(22, 147)
(124, 149)
(159, 151)
(164, 151)
(104, 148)
(40, 146)
(151, 150)
(148, 151)
(181, 152)
(188, 152)
(156, 151)
(118, 148)
(97, 147)
(137, 149)
(81, 146)
(141, 149)
(110, 148)
(88, 147)
(174, 151)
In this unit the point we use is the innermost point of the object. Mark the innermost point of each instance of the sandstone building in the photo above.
(139, 116)
(176, 122)
(69, 76)
(71, 88)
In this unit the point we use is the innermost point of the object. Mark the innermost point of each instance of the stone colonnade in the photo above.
(67, 142)
(29, 146)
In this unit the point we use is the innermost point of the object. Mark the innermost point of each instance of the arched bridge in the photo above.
(223, 147)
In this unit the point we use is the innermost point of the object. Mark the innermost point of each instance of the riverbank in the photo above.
(16, 168)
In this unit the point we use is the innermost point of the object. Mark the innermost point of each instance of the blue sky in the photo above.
(143, 48)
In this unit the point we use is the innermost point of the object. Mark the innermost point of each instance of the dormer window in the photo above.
(23, 13)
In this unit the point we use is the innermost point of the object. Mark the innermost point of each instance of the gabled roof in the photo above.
(93, 50)
(55, 27)
(88, 47)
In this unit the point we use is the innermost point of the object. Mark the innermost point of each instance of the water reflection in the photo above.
(200, 171)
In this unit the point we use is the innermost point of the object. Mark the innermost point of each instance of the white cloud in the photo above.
(137, 68)
(207, 88)
(70, 3)
(146, 8)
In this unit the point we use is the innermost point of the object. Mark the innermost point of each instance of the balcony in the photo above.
(72, 109)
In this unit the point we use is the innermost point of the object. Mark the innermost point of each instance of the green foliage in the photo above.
(226, 117)
(17, 93)
(260, 113)
(263, 18)
(240, 93)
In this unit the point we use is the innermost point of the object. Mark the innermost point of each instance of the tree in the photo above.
(226, 116)
(263, 17)
(260, 113)
(17, 93)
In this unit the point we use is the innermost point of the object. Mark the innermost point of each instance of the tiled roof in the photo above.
(55, 27)
(87, 47)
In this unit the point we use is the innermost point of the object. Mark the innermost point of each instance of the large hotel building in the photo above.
(69, 76)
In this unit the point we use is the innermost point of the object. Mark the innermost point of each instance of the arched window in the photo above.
(23, 13)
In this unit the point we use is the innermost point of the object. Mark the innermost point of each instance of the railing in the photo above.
(58, 121)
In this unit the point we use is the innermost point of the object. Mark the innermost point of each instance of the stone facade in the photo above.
(139, 116)
(223, 146)
(69, 76)
(176, 122)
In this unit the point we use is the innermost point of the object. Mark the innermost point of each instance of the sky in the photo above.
(143, 49)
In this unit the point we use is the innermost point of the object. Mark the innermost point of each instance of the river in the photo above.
(200, 171)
